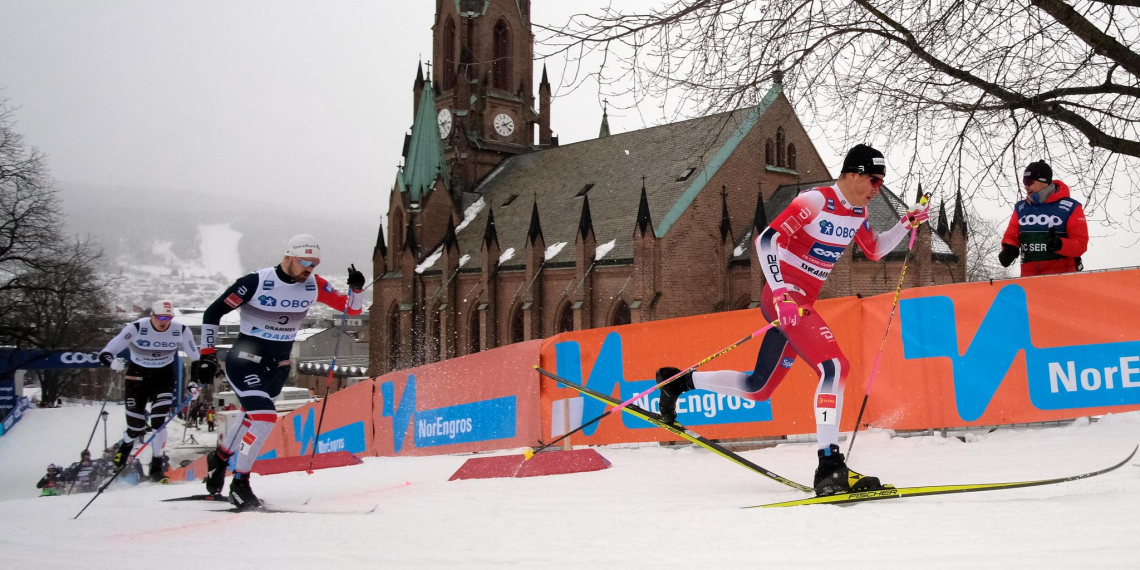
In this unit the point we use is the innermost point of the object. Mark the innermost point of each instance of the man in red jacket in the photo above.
(1048, 228)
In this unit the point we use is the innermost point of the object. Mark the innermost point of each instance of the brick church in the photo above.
(497, 234)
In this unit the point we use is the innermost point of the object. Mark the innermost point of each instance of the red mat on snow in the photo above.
(548, 463)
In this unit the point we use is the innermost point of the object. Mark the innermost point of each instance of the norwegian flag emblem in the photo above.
(233, 300)
(309, 251)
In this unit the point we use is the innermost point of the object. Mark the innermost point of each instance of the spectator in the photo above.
(48, 485)
(84, 475)
(210, 418)
(1047, 228)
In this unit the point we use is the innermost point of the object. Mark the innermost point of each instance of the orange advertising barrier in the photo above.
(957, 355)
(347, 425)
(483, 401)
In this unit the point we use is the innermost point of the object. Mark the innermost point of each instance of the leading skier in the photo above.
(797, 252)
(273, 302)
(153, 342)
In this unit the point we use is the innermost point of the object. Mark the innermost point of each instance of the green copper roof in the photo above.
(424, 162)
(717, 161)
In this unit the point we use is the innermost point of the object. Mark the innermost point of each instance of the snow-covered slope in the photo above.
(655, 508)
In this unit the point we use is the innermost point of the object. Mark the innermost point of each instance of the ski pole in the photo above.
(328, 383)
(530, 452)
(133, 456)
(107, 396)
(890, 318)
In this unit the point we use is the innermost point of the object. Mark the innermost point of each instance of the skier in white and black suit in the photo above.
(273, 302)
(153, 342)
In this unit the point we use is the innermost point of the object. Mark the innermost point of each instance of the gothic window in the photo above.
(792, 156)
(518, 325)
(473, 340)
(501, 64)
(621, 315)
(769, 152)
(449, 54)
(780, 147)
(565, 319)
(394, 338)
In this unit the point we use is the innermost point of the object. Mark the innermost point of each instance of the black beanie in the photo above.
(1039, 170)
(863, 159)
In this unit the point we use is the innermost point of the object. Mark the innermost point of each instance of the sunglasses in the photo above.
(875, 181)
(1026, 181)
(164, 317)
(307, 262)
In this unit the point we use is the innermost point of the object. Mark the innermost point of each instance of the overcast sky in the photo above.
(304, 103)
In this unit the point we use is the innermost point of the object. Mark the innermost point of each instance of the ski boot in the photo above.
(158, 470)
(671, 391)
(216, 472)
(123, 454)
(241, 496)
(833, 477)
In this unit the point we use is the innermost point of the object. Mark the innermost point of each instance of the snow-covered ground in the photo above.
(656, 507)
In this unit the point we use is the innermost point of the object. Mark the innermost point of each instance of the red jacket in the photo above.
(1073, 244)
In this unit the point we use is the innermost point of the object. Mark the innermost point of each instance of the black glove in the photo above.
(105, 359)
(355, 278)
(207, 367)
(1054, 243)
(1008, 254)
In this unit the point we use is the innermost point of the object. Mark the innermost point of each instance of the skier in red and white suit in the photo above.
(797, 252)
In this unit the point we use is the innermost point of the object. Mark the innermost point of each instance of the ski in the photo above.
(207, 497)
(904, 492)
(279, 510)
(678, 430)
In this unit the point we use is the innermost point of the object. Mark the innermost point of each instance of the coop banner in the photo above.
(484, 401)
(622, 362)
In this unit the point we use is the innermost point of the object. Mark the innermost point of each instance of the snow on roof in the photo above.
(507, 255)
(554, 249)
(604, 249)
(430, 261)
(469, 215)
(306, 334)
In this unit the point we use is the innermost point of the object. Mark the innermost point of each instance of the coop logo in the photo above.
(267, 301)
(696, 407)
(348, 438)
(485, 420)
(79, 358)
(826, 253)
(1060, 378)
(1040, 220)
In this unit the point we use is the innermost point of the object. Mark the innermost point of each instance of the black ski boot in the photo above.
(215, 472)
(124, 454)
(158, 470)
(833, 477)
(671, 391)
(241, 496)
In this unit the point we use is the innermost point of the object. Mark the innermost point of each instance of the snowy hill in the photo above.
(656, 507)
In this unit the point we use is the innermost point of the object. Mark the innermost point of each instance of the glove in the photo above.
(1054, 243)
(917, 214)
(207, 367)
(1008, 254)
(106, 358)
(788, 310)
(355, 278)
(118, 365)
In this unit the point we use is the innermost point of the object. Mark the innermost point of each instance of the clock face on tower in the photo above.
(504, 124)
(444, 123)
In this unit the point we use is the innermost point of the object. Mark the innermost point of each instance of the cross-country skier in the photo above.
(797, 252)
(273, 302)
(149, 378)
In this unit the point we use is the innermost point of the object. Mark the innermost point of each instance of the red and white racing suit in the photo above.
(797, 252)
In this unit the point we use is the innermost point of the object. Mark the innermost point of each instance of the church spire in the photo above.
(535, 231)
(760, 218)
(725, 219)
(423, 164)
(644, 223)
(605, 130)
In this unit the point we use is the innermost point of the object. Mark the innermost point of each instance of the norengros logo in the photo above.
(696, 407)
(1062, 377)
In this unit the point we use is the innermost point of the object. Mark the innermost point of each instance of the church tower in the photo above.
(483, 55)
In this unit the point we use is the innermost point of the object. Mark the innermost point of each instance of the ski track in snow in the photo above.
(656, 507)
